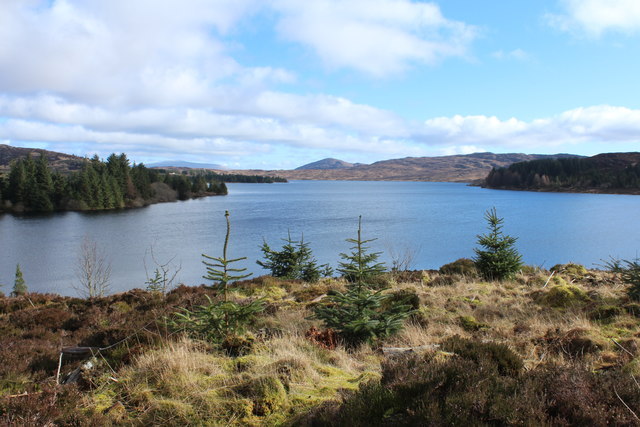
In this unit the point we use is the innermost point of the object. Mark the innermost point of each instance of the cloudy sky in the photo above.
(280, 83)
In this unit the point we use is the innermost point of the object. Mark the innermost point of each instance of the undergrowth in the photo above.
(516, 352)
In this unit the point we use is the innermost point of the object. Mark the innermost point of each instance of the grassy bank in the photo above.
(580, 324)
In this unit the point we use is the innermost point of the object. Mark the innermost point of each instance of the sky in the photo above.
(275, 84)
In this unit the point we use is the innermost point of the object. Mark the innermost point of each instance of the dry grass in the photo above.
(515, 313)
(184, 382)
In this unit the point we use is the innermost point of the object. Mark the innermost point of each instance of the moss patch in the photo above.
(564, 296)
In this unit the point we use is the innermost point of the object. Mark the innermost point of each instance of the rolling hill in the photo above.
(459, 168)
(58, 161)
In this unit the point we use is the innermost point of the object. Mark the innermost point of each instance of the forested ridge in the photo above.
(32, 186)
(611, 172)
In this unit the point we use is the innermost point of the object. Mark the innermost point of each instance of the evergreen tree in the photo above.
(19, 285)
(42, 187)
(499, 259)
(17, 182)
(362, 314)
(219, 271)
(294, 261)
(629, 271)
(360, 266)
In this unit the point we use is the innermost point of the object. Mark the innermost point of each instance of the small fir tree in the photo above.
(362, 314)
(219, 271)
(499, 259)
(217, 321)
(629, 271)
(360, 266)
(294, 261)
(19, 285)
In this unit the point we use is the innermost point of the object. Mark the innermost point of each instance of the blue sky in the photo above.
(279, 83)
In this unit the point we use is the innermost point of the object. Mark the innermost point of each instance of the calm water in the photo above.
(438, 222)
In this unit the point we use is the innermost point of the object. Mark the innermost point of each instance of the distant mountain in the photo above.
(458, 168)
(184, 164)
(326, 164)
(58, 161)
(603, 173)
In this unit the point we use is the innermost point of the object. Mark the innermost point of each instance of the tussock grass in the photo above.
(161, 379)
(185, 382)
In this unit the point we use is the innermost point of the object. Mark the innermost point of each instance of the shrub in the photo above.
(403, 297)
(462, 266)
(574, 343)
(605, 312)
(470, 390)
(499, 260)
(498, 356)
(443, 280)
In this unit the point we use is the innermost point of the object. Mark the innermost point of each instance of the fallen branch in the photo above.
(623, 402)
(391, 351)
(23, 394)
(618, 344)
(549, 279)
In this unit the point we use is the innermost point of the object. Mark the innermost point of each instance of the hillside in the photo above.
(184, 164)
(603, 173)
(57, 161)
(458, 168)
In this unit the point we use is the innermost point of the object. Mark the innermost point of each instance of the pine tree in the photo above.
(19, 285)
(499, 259)
(17, 182)
(360, 266)
(294, 261)
(220, 271)
(362, 314)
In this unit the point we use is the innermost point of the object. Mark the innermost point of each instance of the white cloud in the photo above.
(595, 17)
(605, 124)
(378, 37)
(158, 79)
(121, 52)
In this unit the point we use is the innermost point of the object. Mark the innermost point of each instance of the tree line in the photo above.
(32, 186)
(234, 177)
(567, 173)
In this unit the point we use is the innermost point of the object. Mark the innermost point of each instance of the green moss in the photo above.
(104, 399)
(571, 270)
(121, 307)
(267, 394)
(565, 296)
(245, 363)
(240, 409)
(470, 324)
